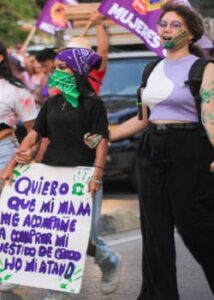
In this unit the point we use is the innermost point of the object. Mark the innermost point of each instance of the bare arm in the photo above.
(124, 130)
(102, 39)
(28, 125)
(25, 156)
(101, 152)
(29, 147)
(207, 105)
(130, 127)
(36, 150)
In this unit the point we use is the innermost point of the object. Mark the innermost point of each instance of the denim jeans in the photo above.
(103, 251)
(8, 146)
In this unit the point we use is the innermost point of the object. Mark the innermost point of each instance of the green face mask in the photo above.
(67, 84)
(177, 41)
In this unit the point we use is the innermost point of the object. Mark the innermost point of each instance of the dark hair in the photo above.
(14, 62)
(46, 54)
(192, 20)
(84, 86)
(5, 70)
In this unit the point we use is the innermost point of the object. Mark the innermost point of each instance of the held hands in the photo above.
(92, 140)
(24, 156)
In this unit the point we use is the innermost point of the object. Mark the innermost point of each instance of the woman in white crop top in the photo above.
(174, 159)
(16, 103)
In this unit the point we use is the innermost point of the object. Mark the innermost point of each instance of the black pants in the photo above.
(176, 188)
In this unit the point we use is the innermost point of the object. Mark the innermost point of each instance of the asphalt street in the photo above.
(191, 281)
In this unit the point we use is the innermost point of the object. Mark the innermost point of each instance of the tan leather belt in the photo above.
(6, 132)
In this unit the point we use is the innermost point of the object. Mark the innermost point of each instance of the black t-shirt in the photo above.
(65, 127)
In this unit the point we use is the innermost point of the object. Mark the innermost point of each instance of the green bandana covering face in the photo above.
(67, 84)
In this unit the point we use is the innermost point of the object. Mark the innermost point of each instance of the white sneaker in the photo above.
(110, 276)
(50, 296)
(7, 286)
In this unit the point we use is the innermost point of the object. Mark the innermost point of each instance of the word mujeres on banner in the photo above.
(44, 227)
(53, 16)
(138, 16)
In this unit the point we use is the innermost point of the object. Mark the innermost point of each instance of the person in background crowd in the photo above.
(19, 53)
(96, 76)
(29, 64)
(102, 50)
(46, 58)
(20, 72)
(175, 158)
(16, 103)
(77, 106)
(38, 79)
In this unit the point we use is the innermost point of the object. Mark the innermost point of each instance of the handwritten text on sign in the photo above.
(45, 219)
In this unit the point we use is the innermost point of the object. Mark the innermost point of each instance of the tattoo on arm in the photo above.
(207, 118)
(207, 94)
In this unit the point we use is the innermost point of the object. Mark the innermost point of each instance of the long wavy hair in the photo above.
(192, 20)
(5, 69)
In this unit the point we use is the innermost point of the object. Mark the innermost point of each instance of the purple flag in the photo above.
(53, 16)
(138, 16)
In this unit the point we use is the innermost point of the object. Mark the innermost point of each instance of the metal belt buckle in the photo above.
(161, 126)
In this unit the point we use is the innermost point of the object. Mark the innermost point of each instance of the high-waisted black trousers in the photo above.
(176, 188)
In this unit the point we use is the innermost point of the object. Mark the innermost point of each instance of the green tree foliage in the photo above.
(11, 13)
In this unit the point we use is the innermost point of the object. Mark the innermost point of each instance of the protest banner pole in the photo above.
(86, 28)
(29, 38)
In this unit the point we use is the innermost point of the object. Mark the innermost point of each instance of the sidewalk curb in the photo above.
(119, 220)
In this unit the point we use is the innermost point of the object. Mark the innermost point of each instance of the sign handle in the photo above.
(29, 38)
(86, 28)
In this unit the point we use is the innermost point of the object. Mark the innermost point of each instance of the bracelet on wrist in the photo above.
(99, 181)
(99, 167)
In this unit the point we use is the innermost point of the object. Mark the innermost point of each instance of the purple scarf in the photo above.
(80, 60)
